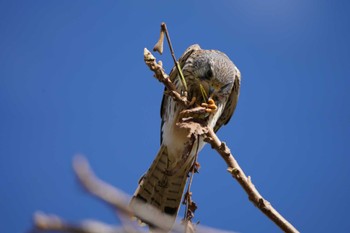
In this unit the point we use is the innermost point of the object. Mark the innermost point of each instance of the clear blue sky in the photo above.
(72, 80)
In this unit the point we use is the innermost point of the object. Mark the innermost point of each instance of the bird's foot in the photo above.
(210, 106)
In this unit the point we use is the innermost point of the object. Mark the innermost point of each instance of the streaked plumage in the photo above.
(163, 184)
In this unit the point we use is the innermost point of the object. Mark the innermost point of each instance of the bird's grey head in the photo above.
(212, 70)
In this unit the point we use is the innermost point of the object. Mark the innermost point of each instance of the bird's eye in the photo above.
(208, 75)
(226, 86)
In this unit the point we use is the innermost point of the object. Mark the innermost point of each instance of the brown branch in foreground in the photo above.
(100, 189)
(118, 200)
(115, 199)
(223, 150)
(44, 222)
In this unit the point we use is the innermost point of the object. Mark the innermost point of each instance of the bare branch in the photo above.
(246, 183)
(103, 191)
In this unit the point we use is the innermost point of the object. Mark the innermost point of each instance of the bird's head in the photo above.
(212, 74)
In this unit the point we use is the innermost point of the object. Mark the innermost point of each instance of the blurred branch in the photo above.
(115, 199)
(110, 195)
(200, 129)
(100, 189)
(46, 222)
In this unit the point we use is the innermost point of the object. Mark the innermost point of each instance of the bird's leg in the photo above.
(193, 101)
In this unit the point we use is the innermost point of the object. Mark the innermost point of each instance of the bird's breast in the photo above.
(174, 138)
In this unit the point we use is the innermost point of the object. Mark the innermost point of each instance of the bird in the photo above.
(209, 74)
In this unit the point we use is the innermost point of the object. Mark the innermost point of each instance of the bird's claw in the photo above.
(210, 106)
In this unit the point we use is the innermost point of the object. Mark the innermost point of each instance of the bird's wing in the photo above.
(231, 103)
(173, 75)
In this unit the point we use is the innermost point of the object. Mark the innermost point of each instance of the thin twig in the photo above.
(191, 206)
(187, 199)
(165, 30)
(177, 64)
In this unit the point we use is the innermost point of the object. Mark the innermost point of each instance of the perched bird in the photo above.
(209, 74)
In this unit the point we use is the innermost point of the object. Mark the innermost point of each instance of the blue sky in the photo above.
(72, 80)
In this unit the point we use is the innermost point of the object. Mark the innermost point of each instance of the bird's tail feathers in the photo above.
(162, 188)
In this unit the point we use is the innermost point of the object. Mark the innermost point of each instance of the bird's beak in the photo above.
(211, 92)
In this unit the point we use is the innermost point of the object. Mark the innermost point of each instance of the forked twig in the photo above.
(159, 48)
